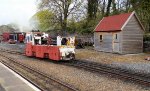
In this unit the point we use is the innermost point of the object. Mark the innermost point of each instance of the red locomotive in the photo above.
(40, 45)
(12, 38)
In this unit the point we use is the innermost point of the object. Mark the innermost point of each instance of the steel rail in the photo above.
(48, 80)
(140, 78)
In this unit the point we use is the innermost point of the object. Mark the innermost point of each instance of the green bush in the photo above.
(147, 37)
(146, 44)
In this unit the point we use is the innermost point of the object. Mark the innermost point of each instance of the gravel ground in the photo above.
(133, 62)
(108, 58)
(84, 80)
(16, 47)
(136, 67)
(87, 81)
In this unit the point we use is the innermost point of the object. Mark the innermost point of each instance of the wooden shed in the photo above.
(119, 34)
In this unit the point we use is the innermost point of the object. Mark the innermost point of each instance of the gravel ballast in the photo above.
(133, 62)
(83, 80)
(16, 47)
(87, 81)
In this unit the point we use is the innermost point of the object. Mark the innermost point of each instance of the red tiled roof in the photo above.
(112, 23)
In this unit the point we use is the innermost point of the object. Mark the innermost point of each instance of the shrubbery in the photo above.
(147, 37)
(146, 44)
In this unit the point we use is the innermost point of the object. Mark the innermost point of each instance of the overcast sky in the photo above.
(16, 11)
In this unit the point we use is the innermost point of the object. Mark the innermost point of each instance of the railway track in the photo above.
(41, 80)
(142, 79)
(12, 52)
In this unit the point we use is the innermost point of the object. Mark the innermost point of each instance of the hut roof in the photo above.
(114, 23)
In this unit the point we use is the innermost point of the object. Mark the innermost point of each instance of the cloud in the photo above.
(18, 11)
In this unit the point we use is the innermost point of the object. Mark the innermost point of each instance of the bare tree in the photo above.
(62, 9)
(103, 8)
(108, 8)
(92, 9)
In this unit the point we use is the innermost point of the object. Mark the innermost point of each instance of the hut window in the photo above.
(116, 36)
(101, 38)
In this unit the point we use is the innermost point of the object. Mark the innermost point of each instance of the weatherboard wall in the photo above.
(132, 37)
(107, 42)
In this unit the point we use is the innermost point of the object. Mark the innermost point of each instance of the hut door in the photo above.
(116, 42)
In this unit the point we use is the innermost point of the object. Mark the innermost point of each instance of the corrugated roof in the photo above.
(112, 23)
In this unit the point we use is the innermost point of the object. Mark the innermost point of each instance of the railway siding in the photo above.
(132, 62)
(43, 69)
(83, 80)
